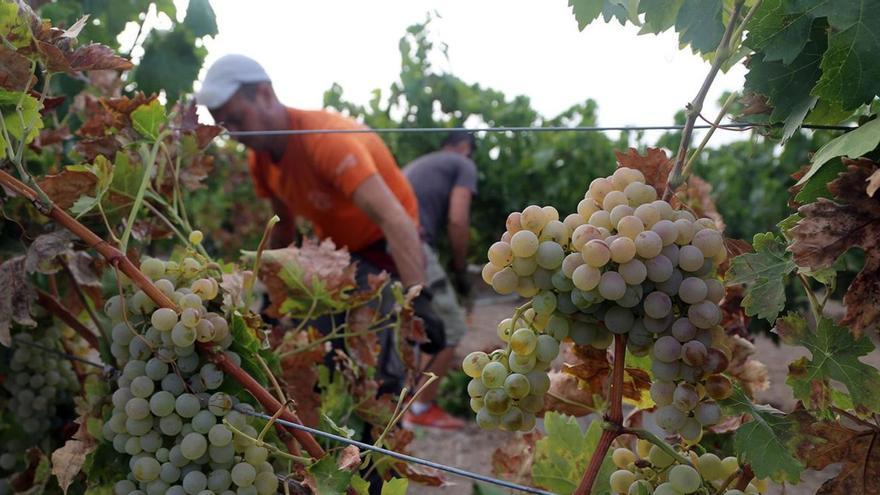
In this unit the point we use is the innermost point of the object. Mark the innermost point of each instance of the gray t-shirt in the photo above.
(432, 177)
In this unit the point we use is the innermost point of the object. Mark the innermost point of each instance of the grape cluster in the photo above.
(167, 413)
(37, 384)
(653, 471)
(625, 263)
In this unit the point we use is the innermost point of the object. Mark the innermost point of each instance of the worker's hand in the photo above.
(462, 283)
(434, 327)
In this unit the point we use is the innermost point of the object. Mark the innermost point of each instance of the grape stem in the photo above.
(614, 418)
(722, 54)
(745, 477)
(53, 306)
(271, 448)
(118, 260)
(728, 481)
(665, 447)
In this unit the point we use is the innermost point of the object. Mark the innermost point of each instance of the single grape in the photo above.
(619, 320)
(516, 385)
(623, 249)
(662, 392)
(497, 401)
(613, 199)
(523, 341)
(476, 388)
(620, 480)
(513, 223)
(519, 363)
(524, 244)
(555, 231)
(685, 230)
(612, 286)
(630, 226)
(620, 211)
(194, 482)
(692, 290)
(714, 290)
(670, 418)
(596, 253)
(684, 478)
(550, 255)
(718, 387)
(187, 405)
(505, 281)
(489, 271)
(546, 349)
(683, 331)
(704, 314)
(685, 397)
(582, 235)
(633, 272)
(690, 259)
(648, 215)
(266, 483)
(500, 254)
(709, 242)
(474, 362)
(707, 413)
(623, 458)
(599, 188)
(512, 420)
(486, 420)
(494, 374)
(694, 353)
(533, 218)
(657, 305)
(146, 469)
(659, 458)
(665, 371)
(640, 487)
(601, 220)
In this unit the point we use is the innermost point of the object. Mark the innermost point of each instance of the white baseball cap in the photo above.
(225, 76)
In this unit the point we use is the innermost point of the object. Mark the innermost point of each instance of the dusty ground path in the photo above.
(472, 448)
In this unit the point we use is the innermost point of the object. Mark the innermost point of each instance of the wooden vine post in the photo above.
(118, 259)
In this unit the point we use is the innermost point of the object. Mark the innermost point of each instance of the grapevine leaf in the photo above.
(763, 272)
(360, 485)
(148, 119)
(15, 70)
(830, 228)
(66, 188)
(21, 116)
(68, 460)
(327, 478)
(817, 186)
(765, 441)
(562, 456)
(833, 442)
(18, 295)
(659, 14)
(102, 169)
(96, 57)
(586, 11)
(42, 252)
(835, 356)
(200, 18)
(852, 144)
(246, 344)
(126, 179)
(787, 86)
(299, 373)
(15, 23)
(699, 24)
(364, 347)
(395, 486)
(778, 35)
(850, 74)
(513, 459)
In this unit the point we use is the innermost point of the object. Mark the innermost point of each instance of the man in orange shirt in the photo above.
(347, 185)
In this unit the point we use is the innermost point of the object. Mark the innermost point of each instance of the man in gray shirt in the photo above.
(444, 183)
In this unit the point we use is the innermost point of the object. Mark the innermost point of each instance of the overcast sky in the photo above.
(517, 46)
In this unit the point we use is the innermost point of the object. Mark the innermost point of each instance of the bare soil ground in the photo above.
(472, 448)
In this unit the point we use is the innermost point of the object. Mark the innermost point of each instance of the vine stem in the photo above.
(116, 258)
(745, 477)
(614, 418)
(56, 308)
(689, 164)
(722, 53)
(647, 435)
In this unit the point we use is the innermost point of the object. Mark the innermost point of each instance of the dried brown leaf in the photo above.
(68, 460)
(363, 348)
(830, 228)
(299, 374)
(96, 57)
(84, 269)
(567, 396)
(826, 442)
(349, 459)
(655, 165)
(65, 188)
(42, 253)
(513, 459)
(15, 70)
(754, 104)
(751, 373)
(17, 297)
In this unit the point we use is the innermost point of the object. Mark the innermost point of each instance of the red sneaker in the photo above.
(434, 417)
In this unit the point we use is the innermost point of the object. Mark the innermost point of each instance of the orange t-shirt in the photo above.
(318, 174)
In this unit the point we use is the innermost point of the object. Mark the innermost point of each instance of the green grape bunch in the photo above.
(625, 263)
(36, 386)
(653, 471)
(169, 417)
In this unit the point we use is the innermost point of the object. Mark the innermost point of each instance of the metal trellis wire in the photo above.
(734, 126)
(403, 457)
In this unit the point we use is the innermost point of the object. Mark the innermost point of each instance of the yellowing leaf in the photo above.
(148, 119)
(562, 456)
